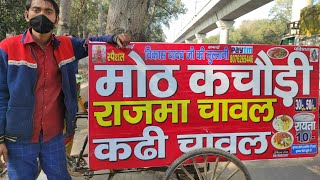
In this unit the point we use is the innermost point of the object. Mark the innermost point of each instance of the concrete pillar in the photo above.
(188, 41)
(200, 37)
(224, 33)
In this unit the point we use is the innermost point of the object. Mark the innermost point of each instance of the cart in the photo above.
(196, 111)
(192, 165)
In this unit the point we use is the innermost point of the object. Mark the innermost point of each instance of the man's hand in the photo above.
(123, 40)
(3, 153)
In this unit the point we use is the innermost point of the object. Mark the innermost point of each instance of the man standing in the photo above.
(38, 93)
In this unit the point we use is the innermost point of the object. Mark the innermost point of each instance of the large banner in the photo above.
(152, 102)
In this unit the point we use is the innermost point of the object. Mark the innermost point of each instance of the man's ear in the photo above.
(26, 16)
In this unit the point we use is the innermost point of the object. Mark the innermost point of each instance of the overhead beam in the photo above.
(216, 10)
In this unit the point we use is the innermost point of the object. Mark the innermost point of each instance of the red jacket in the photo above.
(18, 76)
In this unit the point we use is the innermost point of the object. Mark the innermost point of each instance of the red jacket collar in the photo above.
(28, 39)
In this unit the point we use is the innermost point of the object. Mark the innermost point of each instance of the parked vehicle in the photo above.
(305, 32)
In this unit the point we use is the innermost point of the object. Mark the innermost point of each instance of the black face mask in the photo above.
(41, 24)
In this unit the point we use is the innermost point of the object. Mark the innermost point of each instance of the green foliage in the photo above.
(156, 33)
(281, 11)
(211, 40)
(164, 12)
(85, 12)
(11, 17)
(159, 13)
(266, 31)
(310, 20)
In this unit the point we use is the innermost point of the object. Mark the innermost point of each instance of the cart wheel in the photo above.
(3, 171)
(207, 164)
(73, 169)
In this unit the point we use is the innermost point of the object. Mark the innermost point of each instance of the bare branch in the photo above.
(164, 8)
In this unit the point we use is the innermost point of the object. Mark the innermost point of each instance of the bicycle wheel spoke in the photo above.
(177, 175)
(186, 172)
(233, 173)
(215, 168)
(205, 166)
(196, 167)
(224, 168)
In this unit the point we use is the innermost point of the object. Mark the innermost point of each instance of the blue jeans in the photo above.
(23, 165)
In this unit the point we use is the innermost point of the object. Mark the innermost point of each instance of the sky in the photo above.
(194, 6)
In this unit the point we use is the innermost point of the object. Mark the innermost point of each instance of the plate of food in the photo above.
(282, 123)
(277, 53)
(282, 140)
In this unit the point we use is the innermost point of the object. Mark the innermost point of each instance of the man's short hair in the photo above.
(53, 2)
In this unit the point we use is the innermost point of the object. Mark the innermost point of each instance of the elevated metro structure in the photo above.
(217, 14)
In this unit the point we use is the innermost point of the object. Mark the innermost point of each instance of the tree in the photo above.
(160, 14)
(85, 17)
(64, 21)
(100, 17)
(212, 39)
(266, 31)
(281, 11)
(142, 19)
(11, 17)
(127, 16)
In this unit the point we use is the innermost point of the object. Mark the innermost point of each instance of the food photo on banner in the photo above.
(151, 102)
